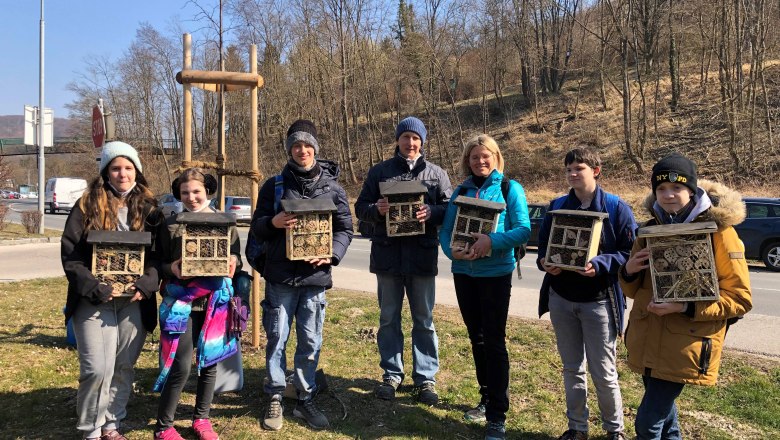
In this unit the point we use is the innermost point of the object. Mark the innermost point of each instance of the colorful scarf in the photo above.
(214, 342)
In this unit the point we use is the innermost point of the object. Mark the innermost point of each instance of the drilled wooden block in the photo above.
(405, 199)
(312, 235)
(682, 263)
(205, 244)
(118, 258)
(574, 238)
(474, 215)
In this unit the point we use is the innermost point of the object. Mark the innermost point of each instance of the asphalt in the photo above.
(753, 334)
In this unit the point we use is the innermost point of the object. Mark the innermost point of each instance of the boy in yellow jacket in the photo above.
(678, 343)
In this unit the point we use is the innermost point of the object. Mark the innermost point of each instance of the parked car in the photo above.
(240, 206)
(5, 194)
(62, 192)
(170, 205)
(761, 231)
(536, 213)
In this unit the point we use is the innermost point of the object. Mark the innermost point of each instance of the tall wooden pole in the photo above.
(253, 152)
(187, 125)
(221, 150)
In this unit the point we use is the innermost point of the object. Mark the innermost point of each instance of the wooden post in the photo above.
(187, 128)
(253, 151)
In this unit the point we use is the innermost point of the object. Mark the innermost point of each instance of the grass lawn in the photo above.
(40, 375)
(13, 231)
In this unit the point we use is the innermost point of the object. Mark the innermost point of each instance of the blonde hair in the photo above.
(490, 144)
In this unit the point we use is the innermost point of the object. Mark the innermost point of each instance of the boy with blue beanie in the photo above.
(407, 264)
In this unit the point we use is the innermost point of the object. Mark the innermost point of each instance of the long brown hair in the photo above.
(100, 204)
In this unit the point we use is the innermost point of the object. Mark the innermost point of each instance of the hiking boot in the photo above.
(168, 434)
(386, 390)
(273, 420)
(574, 435)
(495, 431)
(307, 410)
(476, 414)
(616, 436)
(203, 430)
(426, 393)
(112, 435)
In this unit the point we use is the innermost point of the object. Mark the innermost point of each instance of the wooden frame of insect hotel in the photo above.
(405, 198)
(312, 235)
(474, 215)
(118, 258)
(205, 243)
(682, 263)
(574, 238)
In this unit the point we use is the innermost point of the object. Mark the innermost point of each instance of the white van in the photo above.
(62, 193)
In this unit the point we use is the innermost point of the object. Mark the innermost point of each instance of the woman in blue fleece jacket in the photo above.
(483, 283)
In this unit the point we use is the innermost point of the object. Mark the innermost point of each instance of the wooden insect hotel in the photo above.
(205, 243)
(312, 235)
(474, 215)
(405, 198)
(118, 258)
(682, 263)
(574, 238)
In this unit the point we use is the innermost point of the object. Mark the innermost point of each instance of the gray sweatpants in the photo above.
(109, 338)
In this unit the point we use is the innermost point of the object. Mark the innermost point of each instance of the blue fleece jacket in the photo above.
(514, 227)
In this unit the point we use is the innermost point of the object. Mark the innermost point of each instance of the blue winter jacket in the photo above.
(513, 230)
(617, 238)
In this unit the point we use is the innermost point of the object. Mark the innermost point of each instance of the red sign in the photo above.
(98, 128)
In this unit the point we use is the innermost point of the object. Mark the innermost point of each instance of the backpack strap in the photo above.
(278, 191)
(612, 201)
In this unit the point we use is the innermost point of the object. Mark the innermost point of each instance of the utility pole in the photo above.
(41, 142)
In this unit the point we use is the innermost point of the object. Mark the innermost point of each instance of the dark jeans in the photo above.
(484, 305)
(180, 371)
(656, 417)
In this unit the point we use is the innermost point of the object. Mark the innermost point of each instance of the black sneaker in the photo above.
(616, 436)
(273, 419)
(426, 393)
(476, 414)
(495, 431)
(572, 434)
(307, 410)
(386, 390)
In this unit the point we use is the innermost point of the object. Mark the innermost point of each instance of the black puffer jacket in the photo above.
(76, 255)
(411, 255)
(279, 269)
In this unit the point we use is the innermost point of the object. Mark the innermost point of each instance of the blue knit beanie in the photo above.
(114, 149)
(411, 124)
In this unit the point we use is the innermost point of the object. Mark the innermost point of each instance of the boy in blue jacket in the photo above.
(586, 307)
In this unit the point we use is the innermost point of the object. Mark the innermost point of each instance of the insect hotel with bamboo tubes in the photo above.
(118, 258)
(405, 198)
(574, 238)
(474, 215)
(312, 235)
(205, 243)
(682, 263)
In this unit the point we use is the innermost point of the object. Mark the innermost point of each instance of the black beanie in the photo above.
(302, 130)
(675, 168)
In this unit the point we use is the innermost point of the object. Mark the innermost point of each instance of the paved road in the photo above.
(754, 334)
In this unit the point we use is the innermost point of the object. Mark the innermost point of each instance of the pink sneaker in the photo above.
(168, 434)
(204, 430)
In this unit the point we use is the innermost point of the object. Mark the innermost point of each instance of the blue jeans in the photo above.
(585, 332)
(282, 303)
(656, 417)
(421, 293)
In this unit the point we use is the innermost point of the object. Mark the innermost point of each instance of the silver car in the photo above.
(170, 205)
(240, 206)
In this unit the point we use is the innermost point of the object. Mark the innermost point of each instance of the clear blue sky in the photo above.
(74, 30)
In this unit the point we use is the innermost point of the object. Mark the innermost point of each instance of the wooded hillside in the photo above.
(635, 78)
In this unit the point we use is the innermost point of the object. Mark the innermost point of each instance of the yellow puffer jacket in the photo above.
(676, 347)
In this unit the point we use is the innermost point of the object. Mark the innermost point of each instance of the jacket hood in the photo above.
(727, 208)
